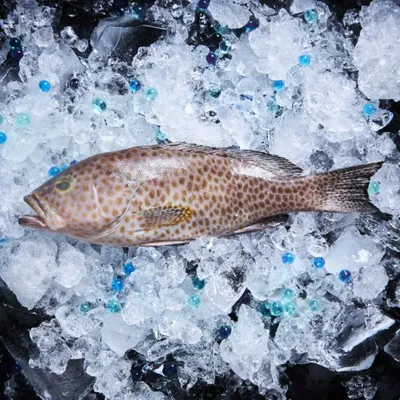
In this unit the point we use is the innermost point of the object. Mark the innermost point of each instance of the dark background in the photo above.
(304, 381)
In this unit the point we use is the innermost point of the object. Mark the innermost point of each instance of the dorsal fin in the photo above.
(276, 165)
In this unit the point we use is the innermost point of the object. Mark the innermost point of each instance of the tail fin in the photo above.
(346, 190)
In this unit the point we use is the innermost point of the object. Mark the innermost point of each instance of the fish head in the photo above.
(81, 201)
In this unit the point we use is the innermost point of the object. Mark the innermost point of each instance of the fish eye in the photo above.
(64, 185)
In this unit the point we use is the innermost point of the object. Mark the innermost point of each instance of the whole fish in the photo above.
(169, 194)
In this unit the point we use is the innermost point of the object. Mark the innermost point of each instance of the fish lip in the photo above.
(34, 221)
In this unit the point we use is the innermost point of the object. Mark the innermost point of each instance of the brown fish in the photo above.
(159, 195)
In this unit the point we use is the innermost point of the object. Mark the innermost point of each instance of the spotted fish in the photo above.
(169, 194)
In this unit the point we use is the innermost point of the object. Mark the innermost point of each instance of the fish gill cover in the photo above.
(295, 80)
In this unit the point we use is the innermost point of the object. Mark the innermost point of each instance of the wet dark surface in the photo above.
(309, 381)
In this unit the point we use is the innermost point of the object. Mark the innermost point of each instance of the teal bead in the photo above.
(151, 94)
(194, 301)
(290, 309)
(264, 309)
(160, 136)
(272, 106)
(287, 294)
(314, 305)
(215, 93)
(99, 104)
(311, 16)
(225, 47)
(84, 308)
(223, 29)
(114, 306)
(198, 283)
(373, 188)
(23, 119)
(276, 308)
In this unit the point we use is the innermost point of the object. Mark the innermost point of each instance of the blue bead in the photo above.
(304, 60)
(290, 308)
(252, 24)
(15, 44)
(99, 104)
(128, 268)
(23, 119)
(246, 97)
(373, 188)
(224, 331)
(314, 305)
(73, 162)
(3, 240)
(151, 94)
(212, 58)
(114, 306)
(117, 284)
(16, 369)
(279, 85)
(318, 262)
(170, 369)
(287, 294)
(44, 86)
(53, 171)
(198, 283)
(345, 276)
(17, 54)
(3, 138)
(369, 110)
(135, 85)
(276, 308)
(311, 16)
(84, 308)
(265, 308)
(288, 258)
(194, 301)
(203, 4)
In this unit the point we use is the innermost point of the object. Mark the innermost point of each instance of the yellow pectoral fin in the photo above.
(157, 217)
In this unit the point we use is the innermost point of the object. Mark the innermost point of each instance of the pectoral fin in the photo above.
(158, 217)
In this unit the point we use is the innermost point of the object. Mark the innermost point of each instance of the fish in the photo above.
(175, 193)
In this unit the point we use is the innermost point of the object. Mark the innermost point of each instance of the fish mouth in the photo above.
(33, 221)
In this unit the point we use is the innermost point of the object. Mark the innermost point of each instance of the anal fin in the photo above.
(267, 223)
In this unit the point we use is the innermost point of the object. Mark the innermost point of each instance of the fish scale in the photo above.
(175, 193)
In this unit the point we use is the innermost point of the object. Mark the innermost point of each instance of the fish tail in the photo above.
(346, 190)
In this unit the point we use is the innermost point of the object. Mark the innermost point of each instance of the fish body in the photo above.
(158, 195)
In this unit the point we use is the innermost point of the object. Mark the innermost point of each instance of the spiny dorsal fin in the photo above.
(276, 165)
